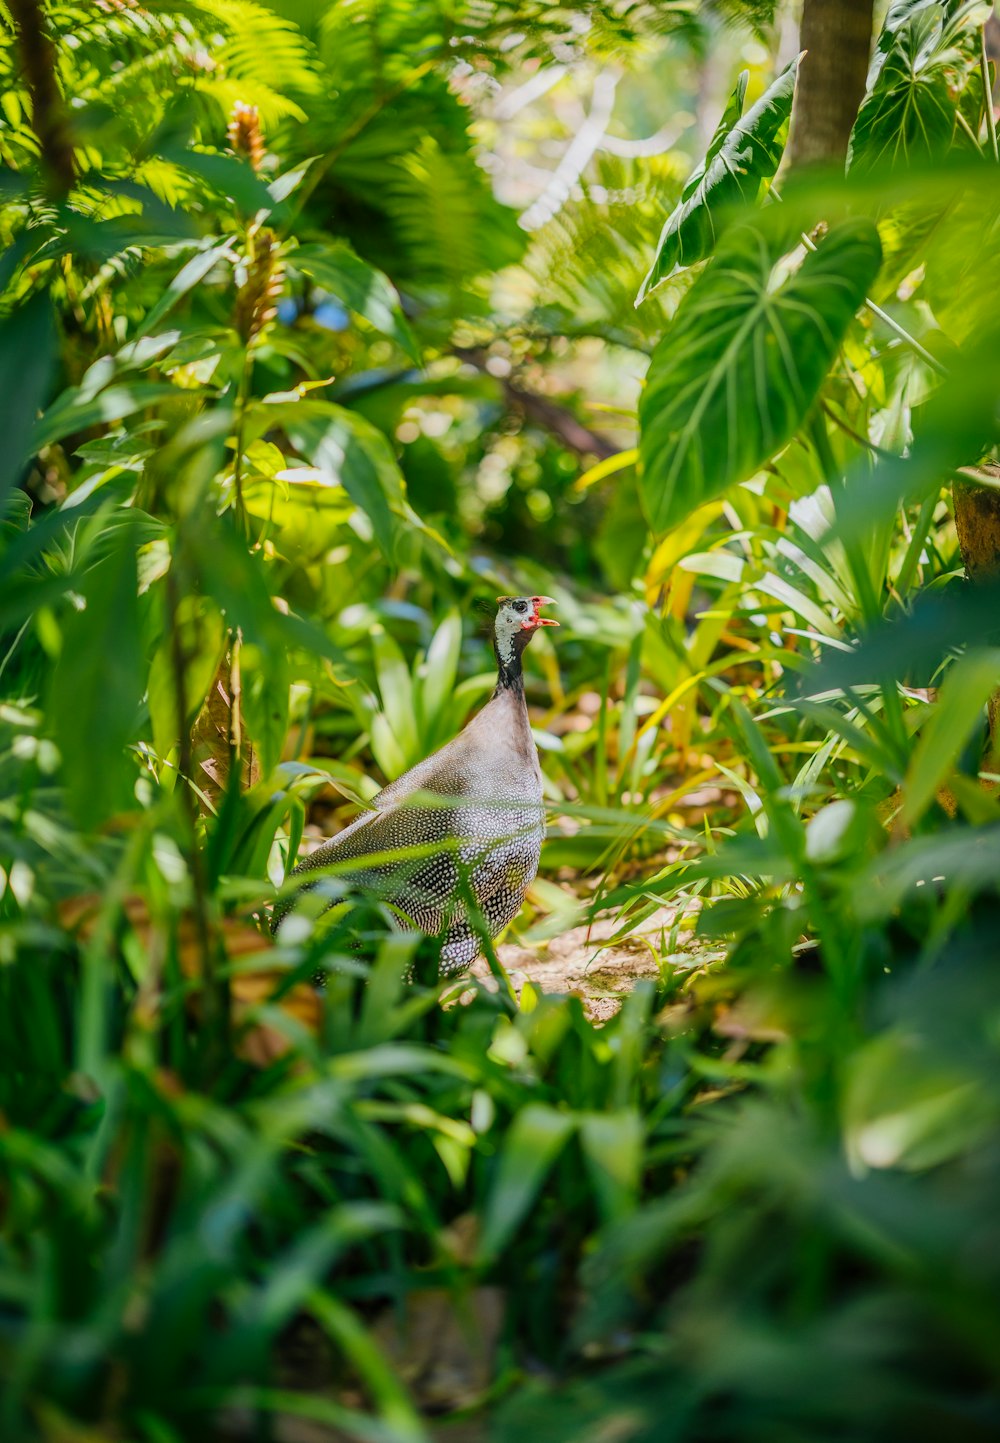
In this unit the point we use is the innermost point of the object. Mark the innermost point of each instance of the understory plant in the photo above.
(289, 394)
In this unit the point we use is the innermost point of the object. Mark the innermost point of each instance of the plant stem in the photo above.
(964, 125)
(215, 990)
(984, 67)
(242, 520)
(235, 700)
(864, 441)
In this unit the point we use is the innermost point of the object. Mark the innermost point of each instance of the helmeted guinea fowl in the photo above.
(468, 821)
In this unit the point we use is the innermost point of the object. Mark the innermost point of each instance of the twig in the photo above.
(550, 414)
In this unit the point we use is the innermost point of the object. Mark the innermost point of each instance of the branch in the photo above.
(547, 413)
(561, 422)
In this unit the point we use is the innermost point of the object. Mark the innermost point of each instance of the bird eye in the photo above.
(520, 606)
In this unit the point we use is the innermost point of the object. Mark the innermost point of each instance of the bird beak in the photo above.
(544, 620)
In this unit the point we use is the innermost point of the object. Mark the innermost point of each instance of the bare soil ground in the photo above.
(586, 961)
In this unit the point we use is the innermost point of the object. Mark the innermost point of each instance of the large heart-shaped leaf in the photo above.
(739, 368)
(743, 154)
(924, 55)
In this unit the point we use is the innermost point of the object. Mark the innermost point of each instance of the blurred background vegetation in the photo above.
(322, 322)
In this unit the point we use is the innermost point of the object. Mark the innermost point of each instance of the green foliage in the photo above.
(289, 393)
(739, 368)
(27, 344)
(745, 151)
(925, 55)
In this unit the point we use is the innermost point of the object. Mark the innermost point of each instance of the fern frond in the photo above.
(590, 258)
(261, 47)
(449, 226)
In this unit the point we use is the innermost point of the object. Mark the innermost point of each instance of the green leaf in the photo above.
(348, 451)
(190, 274)
(364, 290)
(743, 154)
(71, 412)
(97, 684)
(904, 1107)
(27, 357)
(909, 112)
(739, 368)
(839, 832)
(612, 1148)
(396, 689)
(265, 704)
(225, 174)
(438, 673)
(203, 638)
(953, 718)
(536, 1137)
(237, 581)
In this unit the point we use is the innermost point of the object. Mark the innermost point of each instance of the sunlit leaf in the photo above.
(73, 412)
(923, 57)
(349, 451)
(745, 151)
(954, 716)
(740, 365)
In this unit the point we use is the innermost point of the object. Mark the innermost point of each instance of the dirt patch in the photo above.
(587, 961)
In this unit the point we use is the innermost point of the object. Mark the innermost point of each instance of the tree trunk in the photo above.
(977, 522)
(48, 109)
(838, 36)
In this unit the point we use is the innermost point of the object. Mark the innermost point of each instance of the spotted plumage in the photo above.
(466, 825)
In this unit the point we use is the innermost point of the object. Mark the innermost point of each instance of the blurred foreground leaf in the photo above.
(97, 684)
(27, 359)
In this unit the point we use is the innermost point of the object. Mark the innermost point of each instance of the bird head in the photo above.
(518, 618)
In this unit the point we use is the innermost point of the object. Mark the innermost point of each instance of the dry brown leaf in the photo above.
(250, 987)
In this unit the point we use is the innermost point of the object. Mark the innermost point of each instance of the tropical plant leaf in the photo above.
(361, 287)
(75, 411)
(745, 152)
(350, 452)
(97, 684)
(27, 357)
(952, 721)
(739, 368)
(909, 112)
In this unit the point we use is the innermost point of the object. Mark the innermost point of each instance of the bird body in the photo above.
(454, 843)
